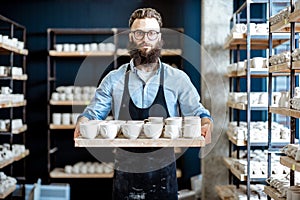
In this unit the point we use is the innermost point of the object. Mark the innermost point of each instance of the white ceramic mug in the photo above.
(55, 96)
(89, 129)
(155, 119)
(56, 118)
(132, 130)
(66, 118)
(191, 130)
(6, 90)
(153, 130)
(171, 131)
(192, 120)
(108, 130)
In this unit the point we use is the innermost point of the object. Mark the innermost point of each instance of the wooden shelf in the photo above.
(241, 143)
(7, 192)
(123, 142)
(69, 103)
(228, 162)
(295, 16)
(80, 54)
(226, 192)
(237, 173)
(257, 41)
(21, 156)
(281, 27)
(11, 104)
(273, 193)
(7, 162)
(23, 77)
(7, 49)
(284, 26)
(53, 126)
(60, 173)
(171, 52)
(20, 130)
(296, 65)
(284, 67)
(243, 106)
(254, 72)
(235, 141)
(290, 163)
(285, 111)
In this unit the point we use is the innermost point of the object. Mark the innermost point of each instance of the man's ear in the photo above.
(159, 37)
(130, 37)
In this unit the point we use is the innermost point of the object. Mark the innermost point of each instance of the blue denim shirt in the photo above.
(178, 90)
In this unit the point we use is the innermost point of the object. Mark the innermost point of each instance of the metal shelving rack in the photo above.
(246, 42)
(17, 83)
(53, 58)
(288, 26)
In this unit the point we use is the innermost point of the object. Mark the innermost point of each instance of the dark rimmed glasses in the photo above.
(139, 35)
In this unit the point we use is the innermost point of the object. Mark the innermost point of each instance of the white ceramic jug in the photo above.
(284, 100)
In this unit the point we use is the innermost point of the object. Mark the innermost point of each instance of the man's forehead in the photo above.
(145, 24)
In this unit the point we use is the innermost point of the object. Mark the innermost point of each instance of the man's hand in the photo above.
(206, 129)
(77, 129)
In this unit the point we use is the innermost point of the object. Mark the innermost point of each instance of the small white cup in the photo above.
(87, 47)
(79, 47)
(94, 47)
(6, 90)
(102, 46)
(192, 120)
(56, 118)
(72, 47)
(68, 169)
(108, 130)
(155, 119)
(62, 96)
(191, 130)
(74, 117)
(3, 71)
(171, 131)
(132, 130)
(59, 47)
(153, 130)
(66, 47)
(55, 96)
(89, 129)
(66, 118)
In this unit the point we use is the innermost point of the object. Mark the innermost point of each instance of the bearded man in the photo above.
(145, 87)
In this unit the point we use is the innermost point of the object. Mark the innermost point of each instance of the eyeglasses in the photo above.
(139, 35)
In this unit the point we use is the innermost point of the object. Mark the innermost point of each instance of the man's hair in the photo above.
(143, 13)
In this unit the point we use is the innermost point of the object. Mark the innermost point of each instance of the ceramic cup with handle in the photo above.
(108, 130)
(89, 129)
(191, 130)
(171, 131)
(131, 130)
(153, 130)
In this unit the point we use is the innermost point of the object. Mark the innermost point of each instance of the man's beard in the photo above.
(141, 57)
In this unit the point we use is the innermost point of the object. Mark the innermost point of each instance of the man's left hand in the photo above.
(206, 129)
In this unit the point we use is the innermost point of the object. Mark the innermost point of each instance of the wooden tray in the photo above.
(140, 142)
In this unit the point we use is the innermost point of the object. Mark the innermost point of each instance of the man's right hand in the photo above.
(77, 128)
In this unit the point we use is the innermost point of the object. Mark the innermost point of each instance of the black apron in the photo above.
(144, 172)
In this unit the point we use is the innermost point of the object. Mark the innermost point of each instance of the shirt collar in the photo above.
(134, 69)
